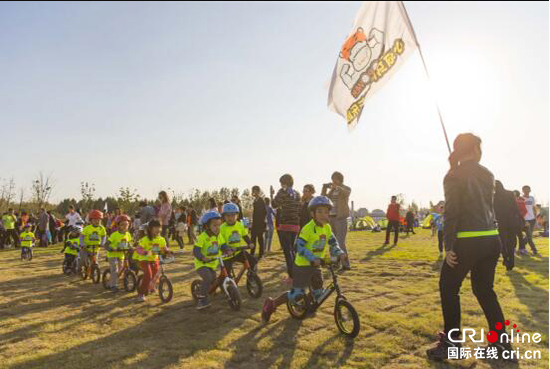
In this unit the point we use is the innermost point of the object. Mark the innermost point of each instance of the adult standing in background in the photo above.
(43, 227)
(146, 214)
(509, 220)
(192, 223)
(259, 214)
(530, 219)
(307, 195)
(287, 202)
(235, 200)
(522, 211)
(409, 218)
(52, 227)
(164, 215)
(393, 221)
(9, 219)
(339, 193)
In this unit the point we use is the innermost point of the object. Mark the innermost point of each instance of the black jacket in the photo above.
(469, 191)
(506, 210)
(259, 214)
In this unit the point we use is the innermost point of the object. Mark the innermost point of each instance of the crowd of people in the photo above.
(478, 221)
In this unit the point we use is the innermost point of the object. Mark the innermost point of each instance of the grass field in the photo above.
(48, 320)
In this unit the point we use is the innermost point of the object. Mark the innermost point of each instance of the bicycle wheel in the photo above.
(234, 297)
(165, 289)
(106, 279)
(96, 274)
(130, 282)
(346, 318)
(300, 307)
(254, 285)
(195, 289)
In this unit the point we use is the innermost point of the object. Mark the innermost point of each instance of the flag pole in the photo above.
(428, 76)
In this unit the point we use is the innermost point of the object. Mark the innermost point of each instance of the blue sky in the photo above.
(204, 95)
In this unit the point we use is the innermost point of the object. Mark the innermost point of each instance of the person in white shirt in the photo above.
(73, 218)
(530, 219)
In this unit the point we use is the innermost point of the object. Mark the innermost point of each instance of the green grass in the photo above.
(52, 321)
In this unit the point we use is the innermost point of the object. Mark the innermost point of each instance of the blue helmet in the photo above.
(209, 215)
(319, 201)
(230, 208)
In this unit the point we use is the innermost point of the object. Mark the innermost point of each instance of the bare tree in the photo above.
(10, 191)
(87, 191)
(42, 188)
(21, 197)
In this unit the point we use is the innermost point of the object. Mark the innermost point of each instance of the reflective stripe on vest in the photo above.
(471, 234)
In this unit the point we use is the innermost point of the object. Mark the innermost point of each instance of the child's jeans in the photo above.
(208, 277)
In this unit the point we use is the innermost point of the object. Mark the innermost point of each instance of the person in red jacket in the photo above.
(393, 220)
(523, 211)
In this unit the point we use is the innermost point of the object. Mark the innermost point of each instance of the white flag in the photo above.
(381, 39)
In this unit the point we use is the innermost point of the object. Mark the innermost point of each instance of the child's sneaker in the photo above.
(268, 309)
(440, 350)
(140, 299)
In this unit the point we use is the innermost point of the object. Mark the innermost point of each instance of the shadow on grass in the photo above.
(537, 265)
(317, 354)
(160, 340)
(283, 345)
(526, 292)
(379, 251)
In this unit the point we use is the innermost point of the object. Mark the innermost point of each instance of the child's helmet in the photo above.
(318, 201)
(75, 230)
(122, 218)
(95, 214)
(210, 215)
(230, 208)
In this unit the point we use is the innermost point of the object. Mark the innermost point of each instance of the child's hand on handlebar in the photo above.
(250, 246)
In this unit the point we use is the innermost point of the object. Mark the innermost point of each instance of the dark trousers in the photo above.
(258, 234)
(164, 233)
(392, 224)
(287, 240)
(409, 228)
(11, 233)
(478, 255)
(507, 239)
(42, 237)
(440, 240)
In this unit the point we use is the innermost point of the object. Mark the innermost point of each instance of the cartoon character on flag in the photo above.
(381, 39)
